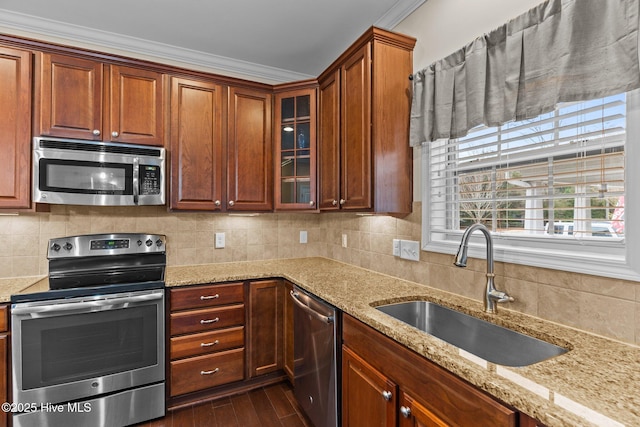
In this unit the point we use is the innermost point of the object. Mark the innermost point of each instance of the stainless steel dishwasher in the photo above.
(316, 353)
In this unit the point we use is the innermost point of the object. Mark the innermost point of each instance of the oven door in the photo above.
(81, 347)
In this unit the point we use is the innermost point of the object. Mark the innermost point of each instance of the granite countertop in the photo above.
(596, 383)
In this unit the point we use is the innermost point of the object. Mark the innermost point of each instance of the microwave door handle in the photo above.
(136, 179)
(43, 310)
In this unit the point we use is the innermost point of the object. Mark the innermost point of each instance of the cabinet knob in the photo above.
(231, 203)
(96, 132)
(342, 202)
(387, 395)
(335, 202)
(114, 134)
(311, 203)
(405, 411)
(217, 203)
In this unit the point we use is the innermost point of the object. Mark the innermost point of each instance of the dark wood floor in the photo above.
(272, 406)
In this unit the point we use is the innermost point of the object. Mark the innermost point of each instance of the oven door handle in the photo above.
(104, 304)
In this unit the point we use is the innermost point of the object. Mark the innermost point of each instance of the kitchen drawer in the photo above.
(206, 319)
(206, 342)
(4, 318)
(206, 296)
(202, 372)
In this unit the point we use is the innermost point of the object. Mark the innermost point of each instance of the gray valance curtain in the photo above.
(562, 50)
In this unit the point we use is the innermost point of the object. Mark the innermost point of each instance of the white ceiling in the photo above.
(278, 40)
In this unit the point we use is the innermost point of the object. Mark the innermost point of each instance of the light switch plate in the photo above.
(219, 243)
(410, 249)
(303, 236)
(344, 240)
(396, 247)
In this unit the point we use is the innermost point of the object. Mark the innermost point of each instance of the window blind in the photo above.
(560, 174)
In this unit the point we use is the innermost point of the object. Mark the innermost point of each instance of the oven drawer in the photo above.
(206, 319)
(202, 372)
(206, 296)
(206, 342)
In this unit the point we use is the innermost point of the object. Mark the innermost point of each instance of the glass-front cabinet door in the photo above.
(296, 150)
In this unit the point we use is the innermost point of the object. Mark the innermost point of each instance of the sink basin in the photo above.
(490, 342)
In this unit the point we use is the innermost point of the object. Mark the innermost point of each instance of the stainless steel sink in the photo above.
(490, 342)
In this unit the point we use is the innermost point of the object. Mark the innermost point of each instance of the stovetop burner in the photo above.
(103, 263)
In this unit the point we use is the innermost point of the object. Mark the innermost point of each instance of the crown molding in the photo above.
(78, 35)
(397, 13)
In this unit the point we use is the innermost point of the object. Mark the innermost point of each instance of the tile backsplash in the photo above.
(605, 306)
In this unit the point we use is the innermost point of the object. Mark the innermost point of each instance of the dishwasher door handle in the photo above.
(322, 317)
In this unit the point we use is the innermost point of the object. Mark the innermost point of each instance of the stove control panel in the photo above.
(105, 244)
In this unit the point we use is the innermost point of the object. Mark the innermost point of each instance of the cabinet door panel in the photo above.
(329, 143)
(15, 125)
(265, 327)
(417, 415)
(249, 151)
(196, 145)
(356, 130)
(136, 106)
(70, 97)
(363, 394)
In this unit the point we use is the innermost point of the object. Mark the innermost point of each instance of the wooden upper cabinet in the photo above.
(249, 151)
(365, 100)
(329, 148)
(136, 106)
(356, 130)
(69, 96)
(295, 149)
(76, 100)
(196, 145)
(15, 128)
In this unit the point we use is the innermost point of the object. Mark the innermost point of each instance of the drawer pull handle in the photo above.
(206, 297)
(208, 344)
(206, 322)
(209, 372)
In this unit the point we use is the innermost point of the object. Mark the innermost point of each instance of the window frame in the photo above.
(609, 259)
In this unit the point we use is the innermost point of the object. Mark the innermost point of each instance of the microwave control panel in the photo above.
(149, 179)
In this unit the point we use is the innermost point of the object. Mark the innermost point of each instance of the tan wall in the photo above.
(606, 306)
(190, 236)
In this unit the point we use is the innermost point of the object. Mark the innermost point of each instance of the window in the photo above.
(551, 189)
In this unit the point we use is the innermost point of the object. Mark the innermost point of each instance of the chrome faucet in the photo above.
(491, 295)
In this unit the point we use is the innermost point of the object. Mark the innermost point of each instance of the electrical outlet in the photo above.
(410, 249)
(344, 240)
(219, 243)
(303, 236)
(396, 247)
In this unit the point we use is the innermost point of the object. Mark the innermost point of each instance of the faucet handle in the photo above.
(500, 296)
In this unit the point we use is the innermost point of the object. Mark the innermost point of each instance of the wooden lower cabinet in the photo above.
(265, 327)
(207, 337)
(428, 394)
(415, 414)
(369, 397)
(223, 339)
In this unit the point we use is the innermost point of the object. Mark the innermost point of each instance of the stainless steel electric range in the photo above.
(91, 350)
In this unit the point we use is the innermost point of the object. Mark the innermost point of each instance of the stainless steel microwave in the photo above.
(77, 172)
